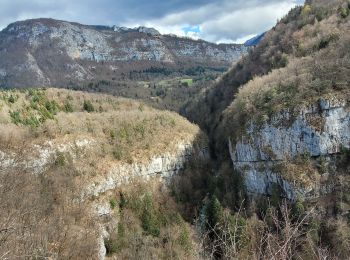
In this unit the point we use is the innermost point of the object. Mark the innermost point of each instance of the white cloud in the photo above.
(219, 20)
(243, 39)
(245, 22)
(226, 22)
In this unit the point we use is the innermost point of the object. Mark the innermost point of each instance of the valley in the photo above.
(124, 143)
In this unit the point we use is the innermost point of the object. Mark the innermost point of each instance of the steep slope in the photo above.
(69, 153)
(298, 110)
(47, 52)
(271, 53)
(281, 117)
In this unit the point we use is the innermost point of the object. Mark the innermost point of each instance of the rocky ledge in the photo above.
(162, 165)
(39, 157)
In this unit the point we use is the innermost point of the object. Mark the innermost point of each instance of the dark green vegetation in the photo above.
(233, 226)
(36, 112)
(149, 226)
(158, 87)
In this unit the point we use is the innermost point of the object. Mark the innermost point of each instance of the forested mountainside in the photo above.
(135, 63)
(266, 176)
(298, 36)
(59, 53)
(281, 117)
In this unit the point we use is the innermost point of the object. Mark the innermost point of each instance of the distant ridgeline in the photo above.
(255, 40)
(47, 52)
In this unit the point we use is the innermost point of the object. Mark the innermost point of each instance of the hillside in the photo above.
(47, 52)
(72, 154)
(314, 72)
(308, 42)
(281, 117)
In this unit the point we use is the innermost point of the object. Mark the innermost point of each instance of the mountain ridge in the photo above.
(255, 40)
(42, 52)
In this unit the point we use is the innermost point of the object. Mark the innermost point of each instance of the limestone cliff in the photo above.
(39, 157)
(319, 131)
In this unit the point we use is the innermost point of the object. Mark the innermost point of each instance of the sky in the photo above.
(211, 20)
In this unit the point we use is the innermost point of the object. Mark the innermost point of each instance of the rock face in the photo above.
(45, 52)
(37, 158)
(141, 29)
(321, 130)
(163, 166)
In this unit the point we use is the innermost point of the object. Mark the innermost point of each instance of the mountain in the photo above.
(265, 175)
(47, 52)
(255, 40)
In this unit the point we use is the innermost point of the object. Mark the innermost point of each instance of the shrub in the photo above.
(68, 108)
(149, 219)
(111, 246)
(344, 156)
(118, 153)
(112, 203)
(236, 227)
(51, 106)
(298, 209)
(141, 107)
(184, 238)
(322, 165)
(325, 41)
(276, 193)
(314, 230)
(60, 159)
(122, 202)
(321, 13)
(214, 211)
(15, 117)
(31, 121)
(306, 10)
(344, 12)
(11, 99)
(278, 61)
(87, 106)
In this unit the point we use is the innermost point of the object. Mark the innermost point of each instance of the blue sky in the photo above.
(191, 29)
(212, 20)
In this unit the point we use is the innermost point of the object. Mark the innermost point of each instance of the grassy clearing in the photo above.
(189, 82)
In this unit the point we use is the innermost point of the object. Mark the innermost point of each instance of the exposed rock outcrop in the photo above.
(140, 29)
(163, 166)
(319, 130)
(117, 173)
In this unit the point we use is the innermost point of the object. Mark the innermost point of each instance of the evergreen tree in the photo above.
(214, 211)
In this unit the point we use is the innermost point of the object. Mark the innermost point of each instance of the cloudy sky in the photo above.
(212, 20)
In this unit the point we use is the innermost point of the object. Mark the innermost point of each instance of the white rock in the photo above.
(277, 141)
